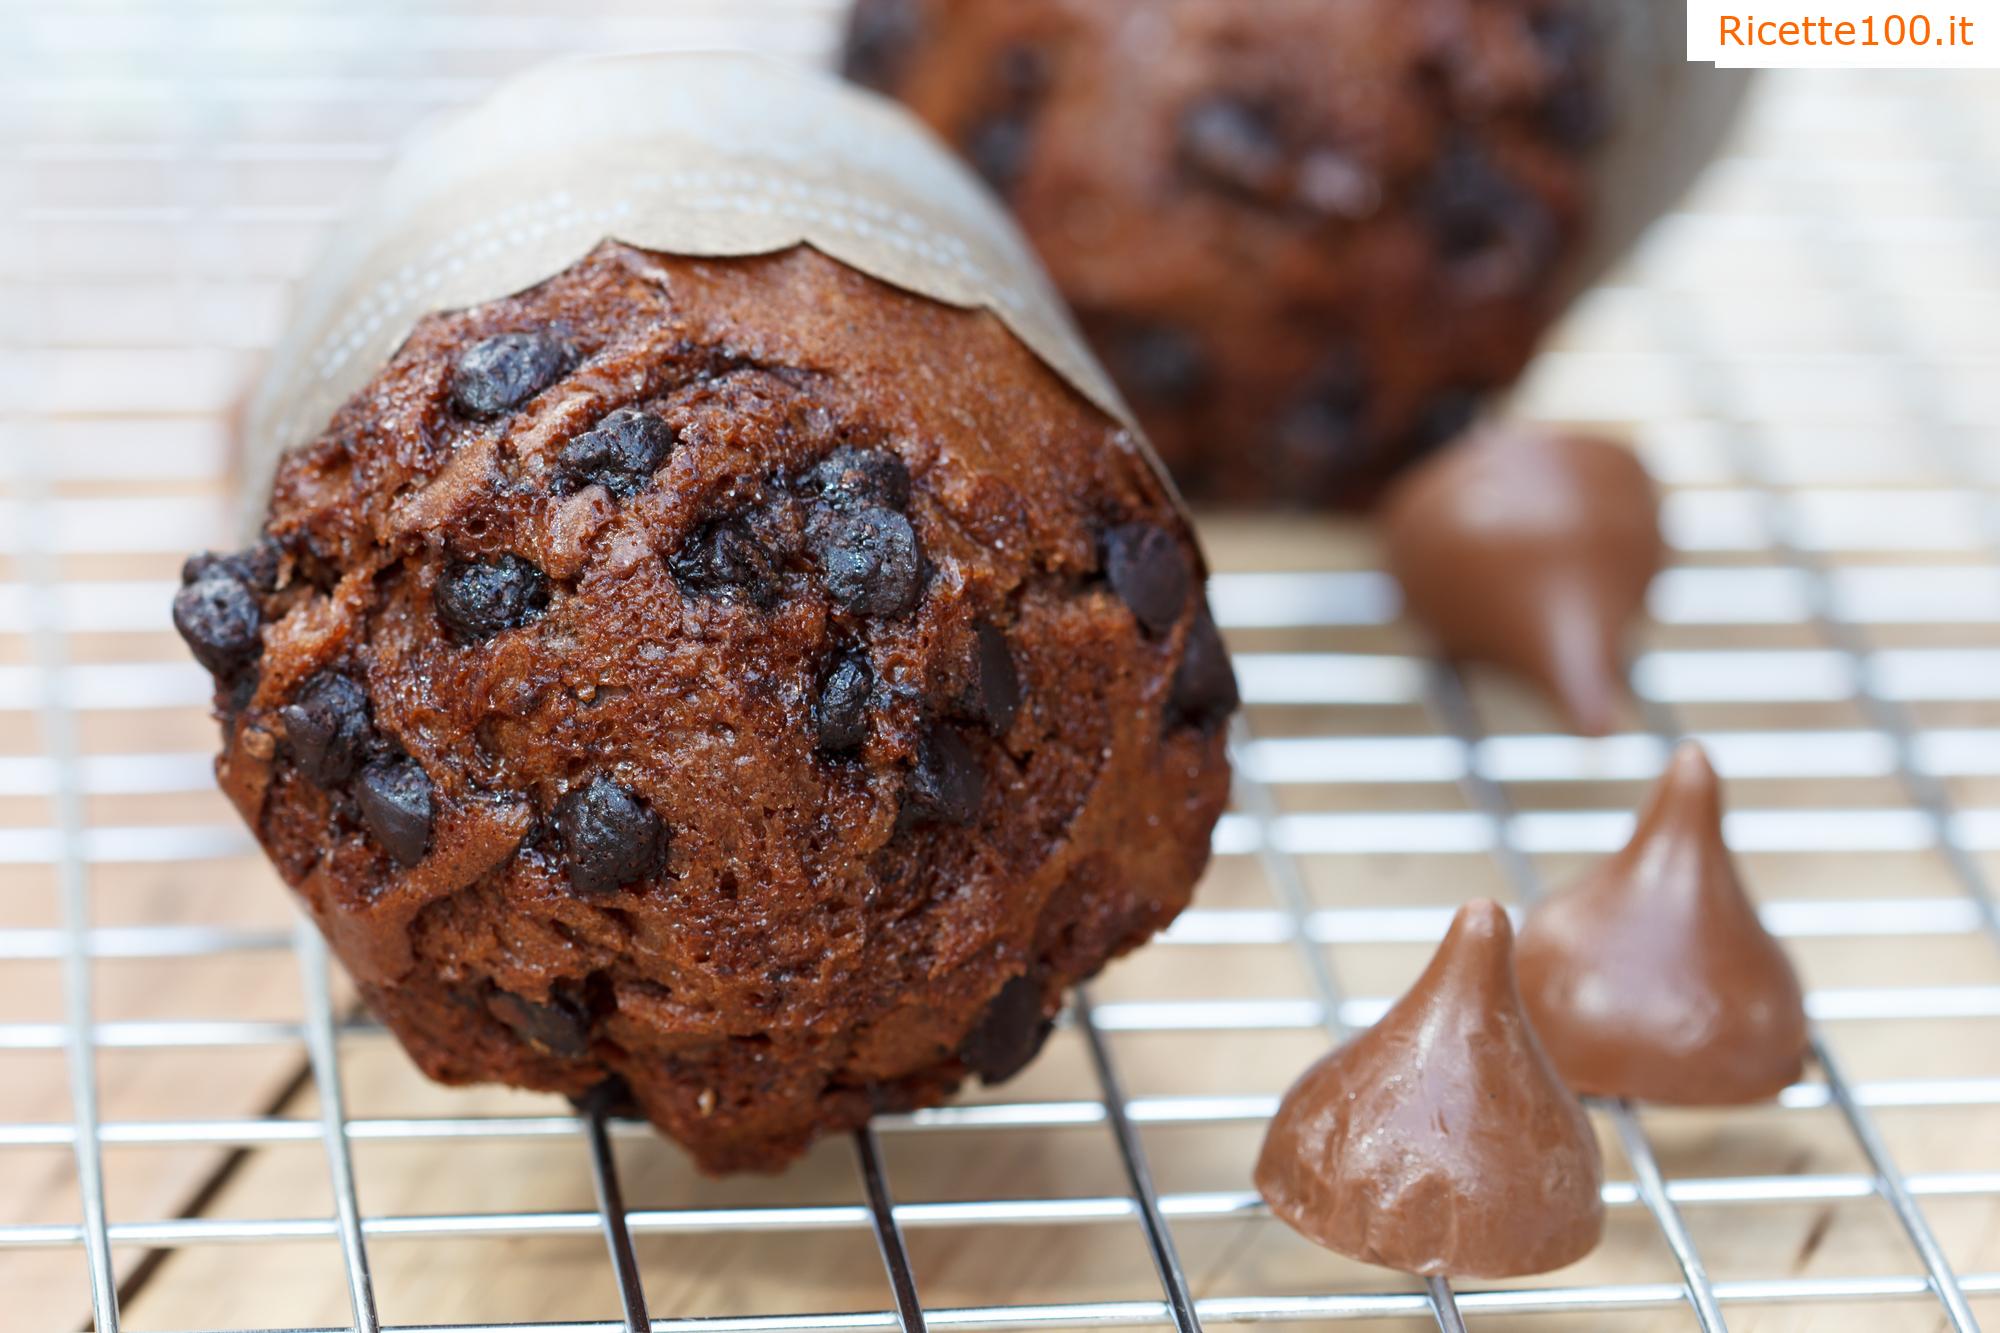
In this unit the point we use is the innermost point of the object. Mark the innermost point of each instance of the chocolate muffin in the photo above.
(736, 685)
(1306, 236)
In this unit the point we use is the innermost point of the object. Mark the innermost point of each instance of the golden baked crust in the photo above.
(736, 680)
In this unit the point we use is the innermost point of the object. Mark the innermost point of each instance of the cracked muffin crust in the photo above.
(1305, 236)
(739, 686)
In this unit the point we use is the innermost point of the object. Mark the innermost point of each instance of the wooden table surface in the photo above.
(1825, 305)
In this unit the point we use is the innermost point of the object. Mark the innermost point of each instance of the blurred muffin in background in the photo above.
(1307, 236)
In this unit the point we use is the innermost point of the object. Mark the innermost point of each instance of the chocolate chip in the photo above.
(1573, 113)
(1498, 236)
(1021, 74)
(476, 599)
(326, 727)
(947, 783)
(1234, 145)
(1565, 37)
(997, 147)
(500, 373)
(842, 711)
(1157, 363)
(880, 36)
(725, 560)
(256, 567)
(240, 695)
(869, 559)
(1443, 419)
(395, 800)
(1319, 439)
(560, 1027)
(611, 837)
(1204, 688)
(620, 453)
(1009, 1033)
(997, 685)
(221, 621)
(852, 478)
(613, 1098)
(998, 143)
(1573, 116)
(1149, 572)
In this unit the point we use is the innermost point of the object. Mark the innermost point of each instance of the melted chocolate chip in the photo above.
(500, 373)
(221, 621)
(997, 147)
(395, 800)
(947, 783)
(613, 1098)
(476, 599)
(1148, 570)
(1573, 113)
(1157, 363)
(725, 560)
(560, 1027)
(240, 694)
(852, 478)
(620, 453)
(1443, 419)
(1009, 1033)
(326, 727)
(1234, 145)
(842, 711)
(880, 37)
(869, 559)
(1320, 437)
(997, 685)
(611, 837)
(1495, 233)
(255, 567)
(1021, 74)
(1204, 688)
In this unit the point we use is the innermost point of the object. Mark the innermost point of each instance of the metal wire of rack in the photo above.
(1840, 598)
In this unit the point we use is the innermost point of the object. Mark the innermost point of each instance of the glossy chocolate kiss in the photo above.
(1652, 976)
(1441, 1141)
(1531, 550)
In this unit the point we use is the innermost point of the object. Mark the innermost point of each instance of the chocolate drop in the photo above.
(1652, 977)
(947, 784)
(559, 1027)
(1009, 1034)
(1147, 569)
(477, 599)
(841, 716)
(996, 682)
(498, 374)
(220, 620)
(613, 838)
(620, 453)
(870, 561)
(1441, 1141)
(326, 727)
(394, 796)
(1533, 551)
(1204, 690)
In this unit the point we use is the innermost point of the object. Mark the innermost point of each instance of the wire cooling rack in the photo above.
(199, 1130)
